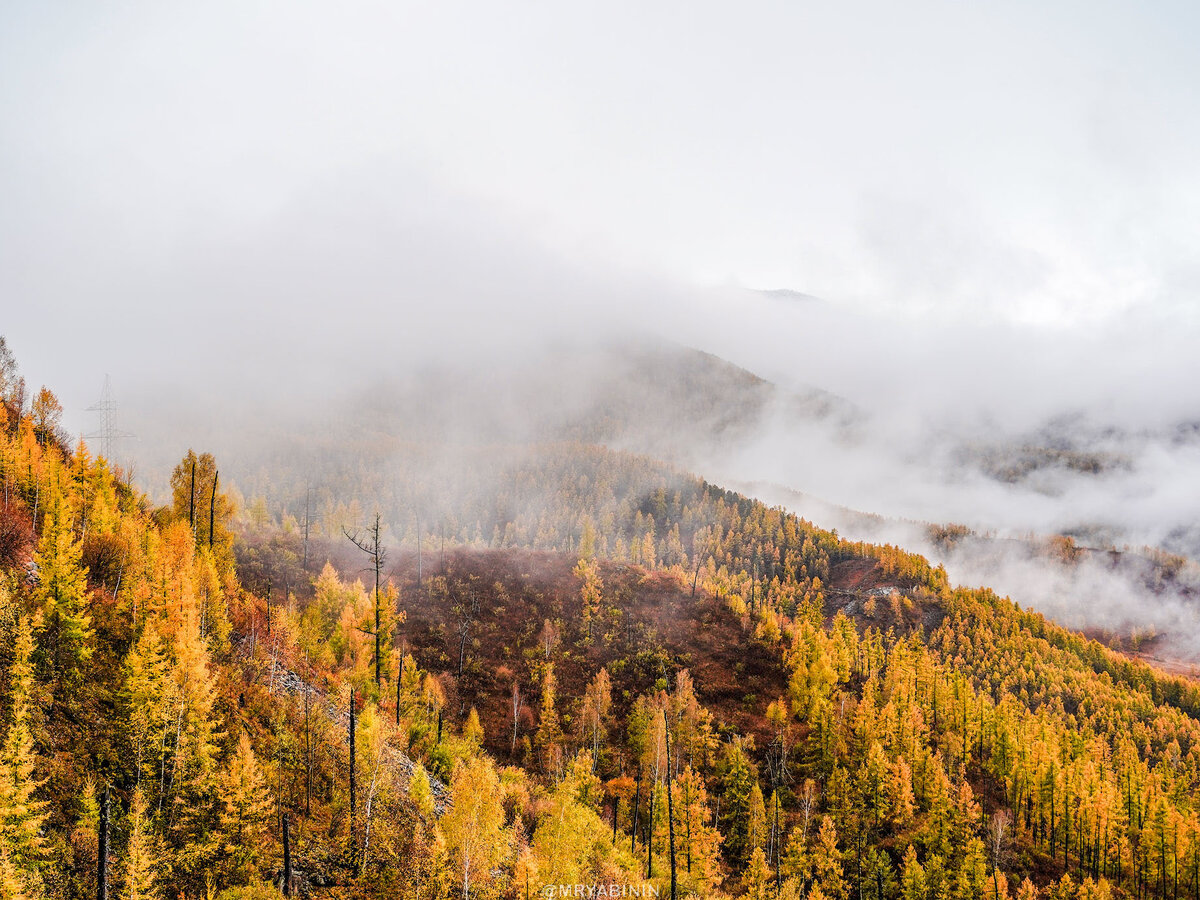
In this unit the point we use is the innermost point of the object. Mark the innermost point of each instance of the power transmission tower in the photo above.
(108, 432)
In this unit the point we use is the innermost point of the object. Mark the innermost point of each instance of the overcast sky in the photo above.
(162, 164)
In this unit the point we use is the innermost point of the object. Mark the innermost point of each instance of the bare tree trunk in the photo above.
(102, 864)
(274, 663)
(650, 831)
(212, 509)
(353, 782)
(287, 857)
(374, 549)
(378, 611)
(399, 682)
(637, 802)
(362, 860)
(653, 798)
(308, 766)
(778, 844)
(516, 711)
(307, 495)
(670, 807)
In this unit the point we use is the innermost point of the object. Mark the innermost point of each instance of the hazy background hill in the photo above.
(462, 448)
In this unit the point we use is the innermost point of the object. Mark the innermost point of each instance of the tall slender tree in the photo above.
(22, 815)
(670, 808)
(140, 870)
(370, 543)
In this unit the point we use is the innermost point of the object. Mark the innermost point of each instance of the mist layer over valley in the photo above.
(436, 441)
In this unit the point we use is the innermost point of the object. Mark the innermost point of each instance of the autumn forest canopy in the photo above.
(572, 665)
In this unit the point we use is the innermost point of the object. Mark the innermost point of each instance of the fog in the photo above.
(263, 222)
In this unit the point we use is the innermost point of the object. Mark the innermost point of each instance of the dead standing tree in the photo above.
(287, 857)
(212, 509)
(307, 520)
(369, 543)
(516, 714)
(466, 612)
(777, 767)
(670, 805)
(192, 500)
(700, 548)
(353, 781)
(102, 853)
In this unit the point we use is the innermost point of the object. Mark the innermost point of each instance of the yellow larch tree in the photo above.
(139, 871)
(476, 838)
(245, 812)
(22, 815)
(62, 590)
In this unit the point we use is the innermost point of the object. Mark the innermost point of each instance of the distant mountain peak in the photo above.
(789, 295)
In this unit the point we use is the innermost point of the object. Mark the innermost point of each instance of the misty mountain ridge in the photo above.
(450, 444)
(673, 403)
(790, 296)
(647, 396)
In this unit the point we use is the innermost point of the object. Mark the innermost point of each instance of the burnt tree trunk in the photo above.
(212, 509)
(670, 806)
(399, 682)
(287, 857)
(373, 548)
(308, 766)
(637, 802)
(102, 853)
(307, 498)
(650, 831)
(353, 779)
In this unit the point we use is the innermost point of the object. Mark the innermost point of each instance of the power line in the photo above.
(108, 432)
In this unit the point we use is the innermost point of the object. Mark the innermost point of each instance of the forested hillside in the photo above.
(441, 446)
(607, 673)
